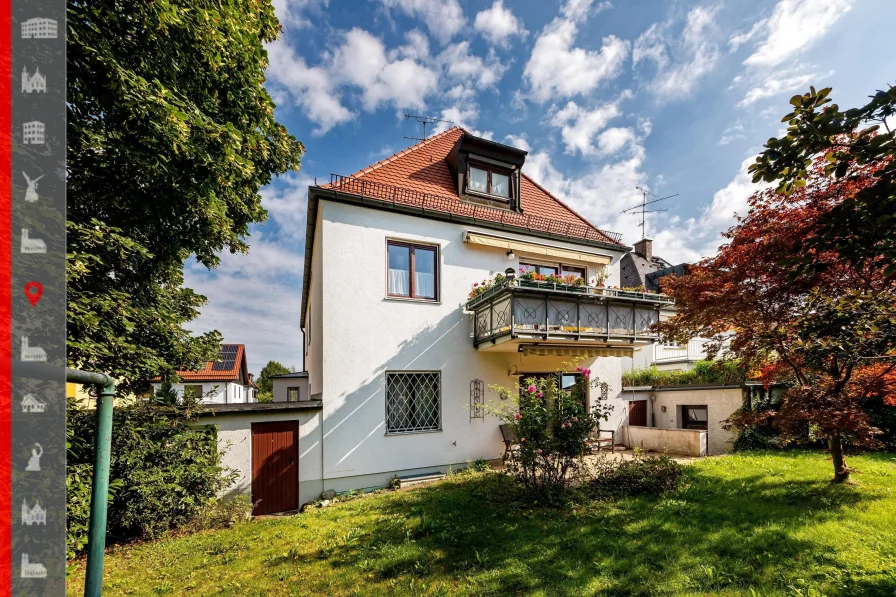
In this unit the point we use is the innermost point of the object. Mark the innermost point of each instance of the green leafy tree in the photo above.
(264, 382)
(171, 134)
(862, 228)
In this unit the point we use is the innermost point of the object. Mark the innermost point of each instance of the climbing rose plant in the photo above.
(553, 426)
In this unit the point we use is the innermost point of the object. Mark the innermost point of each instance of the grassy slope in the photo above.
(754, 524)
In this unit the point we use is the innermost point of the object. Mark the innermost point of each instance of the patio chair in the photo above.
(511, 441)
(597, 442)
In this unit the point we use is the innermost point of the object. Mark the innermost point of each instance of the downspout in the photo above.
(652, 398)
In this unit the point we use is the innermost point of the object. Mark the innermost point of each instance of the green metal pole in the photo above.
(99, 495)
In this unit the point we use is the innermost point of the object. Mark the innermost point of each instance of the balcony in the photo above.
(521, 311)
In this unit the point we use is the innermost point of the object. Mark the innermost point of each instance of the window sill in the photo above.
(410, 299)
(400, 433)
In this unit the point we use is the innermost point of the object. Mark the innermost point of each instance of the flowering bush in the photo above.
(553, 427)
(481, 287)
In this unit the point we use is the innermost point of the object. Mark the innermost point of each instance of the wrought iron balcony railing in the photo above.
(548, 311)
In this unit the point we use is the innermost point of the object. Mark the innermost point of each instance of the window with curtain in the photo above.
(292, 394)
(490, 181)
(412, 271)
(413, 401)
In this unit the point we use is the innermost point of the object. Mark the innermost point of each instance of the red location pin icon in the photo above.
(34, 290)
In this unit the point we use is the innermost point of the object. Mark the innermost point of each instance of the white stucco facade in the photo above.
(358, 334)
(283, 385)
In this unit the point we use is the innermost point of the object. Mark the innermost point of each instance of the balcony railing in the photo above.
(548, 311)
(693, 351)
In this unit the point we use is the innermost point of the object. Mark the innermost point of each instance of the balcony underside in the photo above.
(560, 345)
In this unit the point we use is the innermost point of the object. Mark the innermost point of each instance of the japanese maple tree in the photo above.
(827, 331)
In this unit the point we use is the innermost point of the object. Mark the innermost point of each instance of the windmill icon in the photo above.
(31, 191)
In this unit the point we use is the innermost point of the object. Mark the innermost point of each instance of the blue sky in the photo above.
(674, 96)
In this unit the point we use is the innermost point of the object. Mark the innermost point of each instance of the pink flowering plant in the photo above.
(484, 285)
(553, 426)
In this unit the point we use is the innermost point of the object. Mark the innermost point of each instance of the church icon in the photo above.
(31, 192)
(33, 404)
(32, 245)
(35, 515)
(36, 83)
(32, 354)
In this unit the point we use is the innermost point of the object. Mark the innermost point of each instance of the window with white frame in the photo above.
(413, 401)
(292, 394)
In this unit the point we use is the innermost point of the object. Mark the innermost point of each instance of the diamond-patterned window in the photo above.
(413, 401)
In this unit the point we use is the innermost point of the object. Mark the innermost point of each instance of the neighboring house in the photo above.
(226, 380)
(291, 387)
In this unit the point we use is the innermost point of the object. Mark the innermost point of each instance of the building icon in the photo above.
(33, 404)
(30, 570)
(39, 28)
(34, 133)
(32, 354)
(35, 515)
(32, 245)
(36, 83)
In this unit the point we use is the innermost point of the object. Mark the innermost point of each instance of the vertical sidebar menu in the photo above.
(38, 297)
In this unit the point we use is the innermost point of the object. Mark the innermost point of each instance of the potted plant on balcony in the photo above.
(631, 291)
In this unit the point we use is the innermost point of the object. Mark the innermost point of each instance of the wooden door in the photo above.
(275, 467)
(637, 413)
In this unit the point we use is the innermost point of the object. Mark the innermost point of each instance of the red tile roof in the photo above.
(423, 169)
(216, 371)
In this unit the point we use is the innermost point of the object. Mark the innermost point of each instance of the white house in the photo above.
(225, 380)
(399, 352)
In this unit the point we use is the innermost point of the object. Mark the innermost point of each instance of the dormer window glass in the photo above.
(489, 181)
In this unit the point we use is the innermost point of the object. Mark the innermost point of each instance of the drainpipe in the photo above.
(99, 494)
(652, 410)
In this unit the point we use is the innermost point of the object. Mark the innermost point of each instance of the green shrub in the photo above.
(163, 470)
(717, 372)
(641, 475)
(479, 465)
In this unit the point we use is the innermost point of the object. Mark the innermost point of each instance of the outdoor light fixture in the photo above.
(510, 254)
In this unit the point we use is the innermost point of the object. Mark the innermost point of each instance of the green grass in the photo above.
(749, 524)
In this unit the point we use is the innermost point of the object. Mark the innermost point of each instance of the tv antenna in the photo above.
(424, 120)
(641, 209)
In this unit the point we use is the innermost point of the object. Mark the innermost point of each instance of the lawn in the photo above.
(749, 524)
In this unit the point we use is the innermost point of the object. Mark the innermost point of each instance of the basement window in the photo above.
(489, 181)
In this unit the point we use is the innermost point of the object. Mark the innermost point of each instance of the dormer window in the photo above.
(489, 181)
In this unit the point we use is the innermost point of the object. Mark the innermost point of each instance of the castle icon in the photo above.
(32, 245)
(30, 570)
(31, 191)
(32, 354)
(36, 83)
(35, 515)
(33, 404)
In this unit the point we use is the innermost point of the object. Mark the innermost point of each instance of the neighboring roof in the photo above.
(261, 407)
(423, 168)
(229, 366)
(634, 267)
(292, 374)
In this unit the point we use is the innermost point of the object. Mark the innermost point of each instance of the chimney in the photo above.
(251, 375)
(644, 247)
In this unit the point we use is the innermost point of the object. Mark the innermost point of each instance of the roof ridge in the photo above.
(404, 152)
(568, 208)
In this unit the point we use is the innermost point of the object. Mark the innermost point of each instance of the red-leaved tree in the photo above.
(827, 331)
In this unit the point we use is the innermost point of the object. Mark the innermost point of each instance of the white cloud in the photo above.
(498, 24)
(443, 18)
(579, 126)
(556, 69)
(462, 66)
(518, 141)
(287, 202)
(681, 60)
(780, 82)
(732, 133)
(311, 88)
(792, 27)
(614, 140)
(463, 117)
(292, 13)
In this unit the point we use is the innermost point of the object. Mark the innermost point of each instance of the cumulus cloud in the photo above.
(461, 65)
(443, 18)
(792, 27)
(498, 24)
(680, 59)
(518, 141)
(294, 13)
(579, 126)
(556, 69)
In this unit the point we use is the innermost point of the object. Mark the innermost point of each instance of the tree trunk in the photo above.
(841, 473)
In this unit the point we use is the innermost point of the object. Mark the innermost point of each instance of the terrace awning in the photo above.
(541, 250)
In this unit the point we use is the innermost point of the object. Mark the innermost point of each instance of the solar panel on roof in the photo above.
(227, 359)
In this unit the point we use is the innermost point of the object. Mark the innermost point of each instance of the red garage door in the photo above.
(275, 467)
